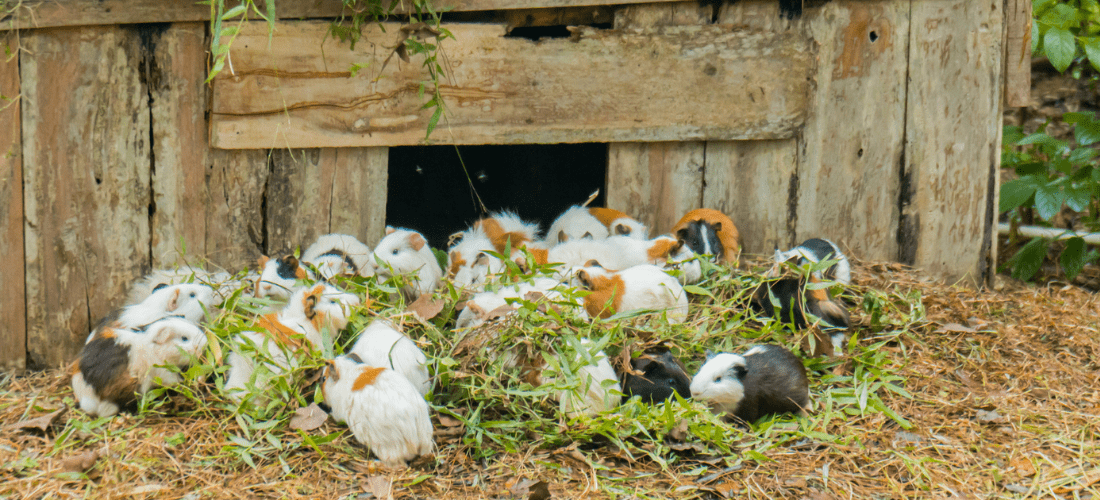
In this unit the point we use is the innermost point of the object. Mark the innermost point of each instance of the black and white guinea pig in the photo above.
(118, 364)
(795, 300)
(278, 277)
(339, 254)
(768, 379)
(190, 301)
(661, 375)
(817, 250)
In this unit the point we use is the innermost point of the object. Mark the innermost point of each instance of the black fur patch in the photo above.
(662, 375)
(821, 249)
(697, 234)
(336, 252)
(103, 362)
(159, 286)
(287, 267)
(775, 382)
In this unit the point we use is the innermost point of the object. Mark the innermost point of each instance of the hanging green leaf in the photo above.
(1029, 259)
(1015, 192)
(1049, 199)
(1073, 257)
(1092, 50)
(1060, 47)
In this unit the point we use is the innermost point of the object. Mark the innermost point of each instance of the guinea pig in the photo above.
(336, 254)
(382, 408)
(482, 306)
(278, 335)
(466, 247)
(598, 388)
(484, 269)
(663, 251)
(117, 364)
(279, 277)
(506, 230)
(380, 344)
(787, 291)
(189, 301)
(709, 232)
(403, 251)
(816, 250)
(768, 379)
(577, 223)
(159, 278)
(661, 374)
(638, 287)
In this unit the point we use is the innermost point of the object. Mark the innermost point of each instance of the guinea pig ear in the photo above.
(739, 371)
(262, 261)
(161, 334)
(717, 227)
(643, 363)
(416, 241)
(159, 286)
(682, 233)
(482, 259)
(562, 237)
(309, 302)
(586, 282)
(355, 357)
(622, 229)
(330, 371)
(173, 302)
(477, 310)
(586, 236)
(593, 263)
(390, 230)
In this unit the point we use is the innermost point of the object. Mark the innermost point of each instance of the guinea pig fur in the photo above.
(787, 291)
(638, 287)
(629, 227)
(382, 408)
(117, 364)
(159, 278)
(461, 253)
(661, 374)
(380, 344)
(279, 277)
(816, 250)
(189, 301)
(768, 379)
(403, 251)
(506, 230)
(699, 228)
(482, 271)
(577, 223)
(336, 254)
(485, 305)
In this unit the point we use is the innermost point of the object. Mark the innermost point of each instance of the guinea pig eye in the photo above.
(192, 295)
(183, 339)
(395, 251)
(718, 379)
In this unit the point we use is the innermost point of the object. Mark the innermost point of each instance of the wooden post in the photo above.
(953, 125)
(1017, 53)
(86, 182)
(13, 304)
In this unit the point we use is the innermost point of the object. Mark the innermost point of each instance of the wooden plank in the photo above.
(235, 231)
(952, 136)
(649, 15)
(178, 69)
(54, 13)
(603, 85)
(655, 183)
(86, 182)
(313, 192)
(13, 336)
(754, 182)
(1017, 53)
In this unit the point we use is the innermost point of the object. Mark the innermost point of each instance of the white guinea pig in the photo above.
(118, 364)
(765, 380)
(279, 277)
(189, 301)
(336, 254)
(220, 281)
(380, 344)
(635, 288)
(576, 223)
(403, 251)
(382, 408)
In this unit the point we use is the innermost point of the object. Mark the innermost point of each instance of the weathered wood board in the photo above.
(86, 182)
(756, 184)
(655, 183)
(601, 86)
(235, 232)
(319, 191)
(47, 14)
(952, 146)
(178, 68)
(1017, 53)
(13, 334)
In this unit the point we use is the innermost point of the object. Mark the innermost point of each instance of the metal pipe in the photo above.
(1048, 232)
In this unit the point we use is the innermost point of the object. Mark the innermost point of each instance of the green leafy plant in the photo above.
(1066, 31)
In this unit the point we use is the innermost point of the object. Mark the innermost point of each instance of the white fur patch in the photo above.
(715, 384)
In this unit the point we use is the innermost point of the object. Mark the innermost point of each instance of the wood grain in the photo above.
(656, 183)
(235, 230)
(54, 13)
(13, 335)
(603, 85)
(952, 137)
(179, 224)
(86, 182)
(1017, 53)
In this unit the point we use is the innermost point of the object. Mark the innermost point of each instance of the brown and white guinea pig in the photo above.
(485, 305)
(816, 250)
(381, 407)
(661, 375)
(709, 232)
(576, 223)
(159, 278)
(483, 270)
(632, 289)
(403, 251)
(768, 379)
(506, 230)
(620, 224)
(279, 277)
(117, 364)
(597, 389)
(795, 300)
(189, 301)
(339, 254)
(663, 251)
(381, 344)
(278, 335)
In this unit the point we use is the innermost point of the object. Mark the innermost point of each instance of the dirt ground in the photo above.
(1003, 404)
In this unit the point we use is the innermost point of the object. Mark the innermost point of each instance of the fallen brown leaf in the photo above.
(81, 462)
(379, 486)
(530, 489)
(425, 307)
(1023, 466)
(41, 423)
(308, 418)
(955, 328)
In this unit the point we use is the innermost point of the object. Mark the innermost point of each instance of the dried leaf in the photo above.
(425, 307)
(695, 447)
(81, 462)
(308, 418)
(499, 312)
(1023, 466)
(726, 489)
(955, 328)
(41, 423)
(990, 417)
(680, 432)
(531, 489)
(379, 486)
(147, 488)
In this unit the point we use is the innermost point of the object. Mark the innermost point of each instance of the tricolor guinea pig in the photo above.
(709, 232)
(816, 250)
(339, 254)
(189, 301)
(655, 375)
(118, 364)
(638, 287)
(768, 379)
(381, 407)
(279, 277)
(620, 224)
(406, 252)
(796, 300)
(506, 230)
(381, 344)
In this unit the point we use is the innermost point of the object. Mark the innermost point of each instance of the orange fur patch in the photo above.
(281, 333)
(658, 253)
(731, 243)
(456, 263)
(541, 255)
(606, 215)
(606, 297)
(301, 274)
(366, 377)
(416, 241)
(492, 229)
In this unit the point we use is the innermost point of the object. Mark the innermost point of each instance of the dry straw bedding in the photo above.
(1003, 405)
